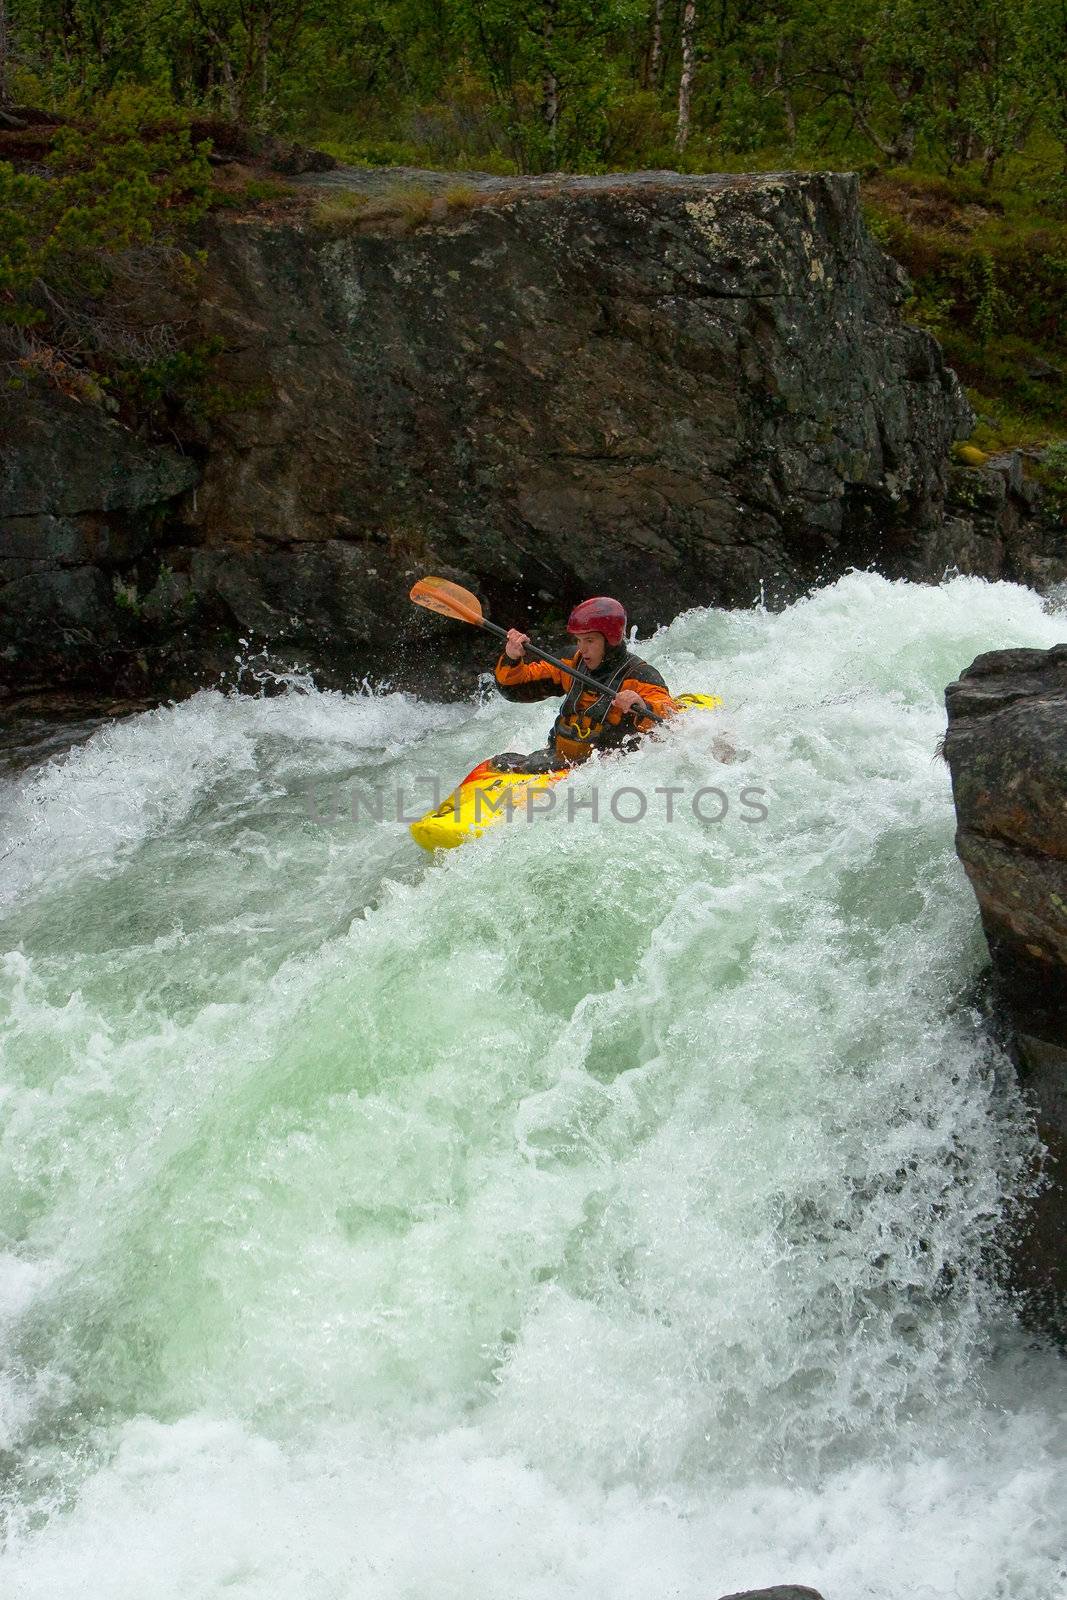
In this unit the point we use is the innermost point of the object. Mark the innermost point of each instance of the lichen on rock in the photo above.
(688, 390)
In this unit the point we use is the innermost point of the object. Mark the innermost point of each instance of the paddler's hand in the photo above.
(515, 643)
(628, 700)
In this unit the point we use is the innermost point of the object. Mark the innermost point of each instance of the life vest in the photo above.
(586, 721)
(581, 726)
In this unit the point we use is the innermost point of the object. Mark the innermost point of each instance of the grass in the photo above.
(338, 211)
(258, 190)
(406, 205)
(237, 191)
(403, 207)
(461, 197)
(412, 206)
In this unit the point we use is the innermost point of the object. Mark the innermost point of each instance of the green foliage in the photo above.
(180, 374)
(131, 177)
(530, 85)
(126, 596)
(989, 275)
(1051, 472)
(960, 105)
(185, 378)
(1000, 426)
(251, 194)
(878, 227)
(989, 305)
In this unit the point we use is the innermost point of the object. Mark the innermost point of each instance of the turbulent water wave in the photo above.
(606, 1209)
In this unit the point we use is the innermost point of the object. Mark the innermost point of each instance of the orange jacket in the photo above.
(587, 722)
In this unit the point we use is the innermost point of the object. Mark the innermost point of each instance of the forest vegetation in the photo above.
(954, 114)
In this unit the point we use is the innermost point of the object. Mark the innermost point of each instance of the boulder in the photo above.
(686, 390)
(997, 523)
(1006, 747)
(683, 389)
(779, 1591)
(61, 457)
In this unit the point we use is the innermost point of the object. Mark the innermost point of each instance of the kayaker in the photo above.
(586, 721)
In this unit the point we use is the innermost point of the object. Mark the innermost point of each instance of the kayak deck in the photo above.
(490, 794)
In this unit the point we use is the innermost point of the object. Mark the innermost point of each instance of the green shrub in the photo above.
(186, 378)
(131, 179)
(259, 190)
(1053, 481)
(1051, 471)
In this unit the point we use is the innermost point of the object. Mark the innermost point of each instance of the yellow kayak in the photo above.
(491, 794)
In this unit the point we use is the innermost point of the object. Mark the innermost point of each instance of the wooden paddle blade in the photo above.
(449, 599)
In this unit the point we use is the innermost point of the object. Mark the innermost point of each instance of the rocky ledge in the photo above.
(1007, 750)
(686, 390)
(778, 1591)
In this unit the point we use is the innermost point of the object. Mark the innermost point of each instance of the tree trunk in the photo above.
(685, 82)
(655, 48)
(5, 55)
(229, 86)
(550, 83)
(906, 144)
(230, 94)
(863, 122)
(785, 94)
(264, 47)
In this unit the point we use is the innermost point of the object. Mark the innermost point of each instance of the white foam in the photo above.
(604, 1210)
(202, 1507)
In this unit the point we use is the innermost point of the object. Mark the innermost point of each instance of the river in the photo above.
(609, 1209)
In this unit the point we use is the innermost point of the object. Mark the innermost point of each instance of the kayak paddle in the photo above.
(450, 600)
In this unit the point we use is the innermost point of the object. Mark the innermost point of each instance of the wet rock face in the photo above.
(82, 503)
(1007, 750)
(998, 523)
(672, 388)
(683, 390)
(778, 1591)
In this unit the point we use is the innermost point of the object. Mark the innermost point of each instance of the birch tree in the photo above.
(685, 81)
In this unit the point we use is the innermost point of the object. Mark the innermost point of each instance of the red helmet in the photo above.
(599, 615)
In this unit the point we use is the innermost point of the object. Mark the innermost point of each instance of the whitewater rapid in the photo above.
(605, 1210)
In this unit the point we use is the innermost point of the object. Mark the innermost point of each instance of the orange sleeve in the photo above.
(655, 695)
(530, 680)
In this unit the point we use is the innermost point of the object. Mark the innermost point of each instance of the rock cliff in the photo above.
(1007, 750)
(682, 389)
(674, 388)
(84, 503)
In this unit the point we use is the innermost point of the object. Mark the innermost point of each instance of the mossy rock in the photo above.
(970, 455)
